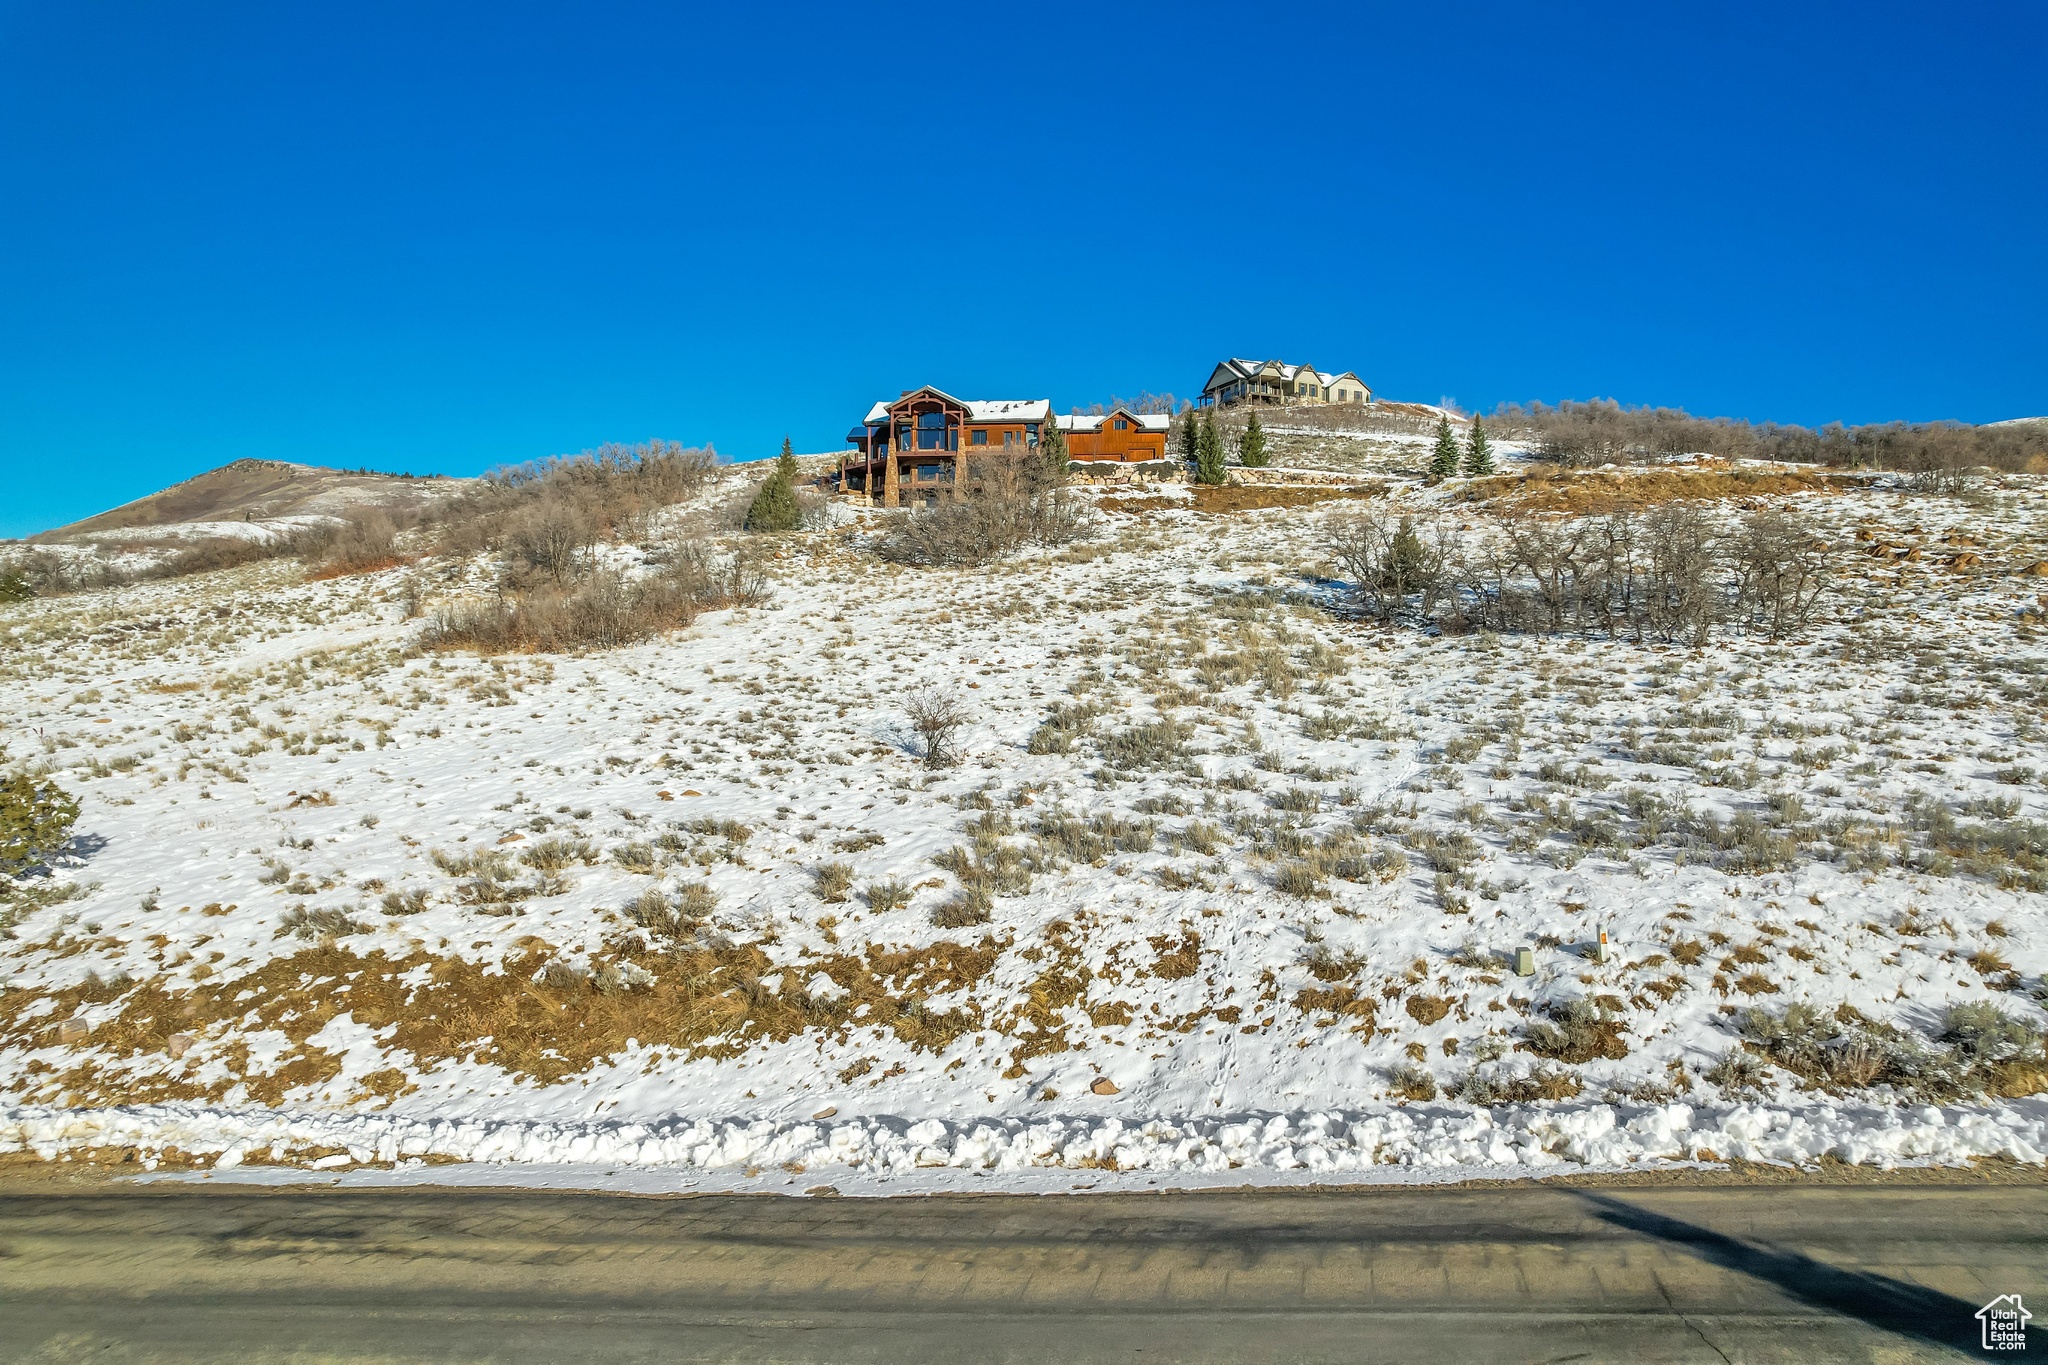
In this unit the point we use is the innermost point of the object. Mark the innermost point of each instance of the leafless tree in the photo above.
(936, 717)
(1006, 501)
(1782, 571)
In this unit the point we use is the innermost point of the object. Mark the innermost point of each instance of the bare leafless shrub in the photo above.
(366, 541)
(543, 517)
(1782, 570)
(603, 609)
(1602, 431)
(1388, 562)
(1678, 600)
(552, 537)
(1005, 503)
(1663, 575)
(936, 718)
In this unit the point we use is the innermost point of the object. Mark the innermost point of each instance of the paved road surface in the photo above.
(1880, 1274)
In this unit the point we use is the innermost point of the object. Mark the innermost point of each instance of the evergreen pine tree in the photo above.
(774, 507)
(1251, 447)
(1209, 467)
(1190, 436)
(1478, 452)
(1052, 450)
(36, 816)
(1443, 462)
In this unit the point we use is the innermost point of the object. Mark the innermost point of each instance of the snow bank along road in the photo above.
(1515, 1273)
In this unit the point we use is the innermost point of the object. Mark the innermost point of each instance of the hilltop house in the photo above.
(908, 452)
(1277, 382)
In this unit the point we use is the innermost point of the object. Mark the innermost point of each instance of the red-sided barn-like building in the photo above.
(1120, 434)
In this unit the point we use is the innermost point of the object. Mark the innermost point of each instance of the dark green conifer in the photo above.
(1443, 462)
(1251, 447)
(1478, 452)
(1209, 464)
(774, 507)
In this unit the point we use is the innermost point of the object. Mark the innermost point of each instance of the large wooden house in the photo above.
(1120, 435)
(908, 453)
(1278, 383)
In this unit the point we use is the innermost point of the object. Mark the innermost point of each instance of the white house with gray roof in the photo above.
(1277, 382)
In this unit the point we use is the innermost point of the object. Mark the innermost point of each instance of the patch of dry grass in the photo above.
(1547, 488)
(531, 1021)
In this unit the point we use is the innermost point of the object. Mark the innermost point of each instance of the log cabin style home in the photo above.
(1119, 434)
(1280, 384)
(907, 453)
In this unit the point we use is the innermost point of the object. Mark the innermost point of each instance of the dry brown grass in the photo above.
(1233, 498)
(330, 571)
(1340, 1002)
(1176, 962)
(702, 1001)
(1427, 1009)
(1549, 489)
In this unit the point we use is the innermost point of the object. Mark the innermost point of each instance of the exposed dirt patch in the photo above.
(1248, 498)
(1546, 488)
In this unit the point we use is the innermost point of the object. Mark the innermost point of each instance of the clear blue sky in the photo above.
(437, 236)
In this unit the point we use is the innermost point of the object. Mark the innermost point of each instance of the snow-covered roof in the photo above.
(978, 409)
(1008, 409)
(1147, 421)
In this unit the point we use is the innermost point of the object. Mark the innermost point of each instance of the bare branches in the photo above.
(1940, 455)
(1009, 501)
(1667, 575)
(1782, 569)
(935, 718)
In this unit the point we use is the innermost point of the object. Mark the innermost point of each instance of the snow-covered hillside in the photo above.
(1228, 884)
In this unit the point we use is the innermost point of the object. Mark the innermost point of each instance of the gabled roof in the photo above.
(1092, 421)
(1237, 368)
(978, 409)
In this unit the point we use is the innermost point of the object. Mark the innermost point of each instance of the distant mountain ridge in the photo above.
(253, 490)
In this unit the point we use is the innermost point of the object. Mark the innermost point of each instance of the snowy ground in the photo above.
(674, 916)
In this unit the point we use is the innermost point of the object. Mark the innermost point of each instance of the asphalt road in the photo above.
(1879, 1274)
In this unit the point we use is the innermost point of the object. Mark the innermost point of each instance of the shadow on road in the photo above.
(1910, 1310)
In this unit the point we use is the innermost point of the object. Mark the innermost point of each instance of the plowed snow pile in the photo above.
(1227, 883)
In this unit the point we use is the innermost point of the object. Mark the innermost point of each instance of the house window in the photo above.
(979, 438)
(1031, 433)
(927, 473)
(1122, 425)
(931, 431)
